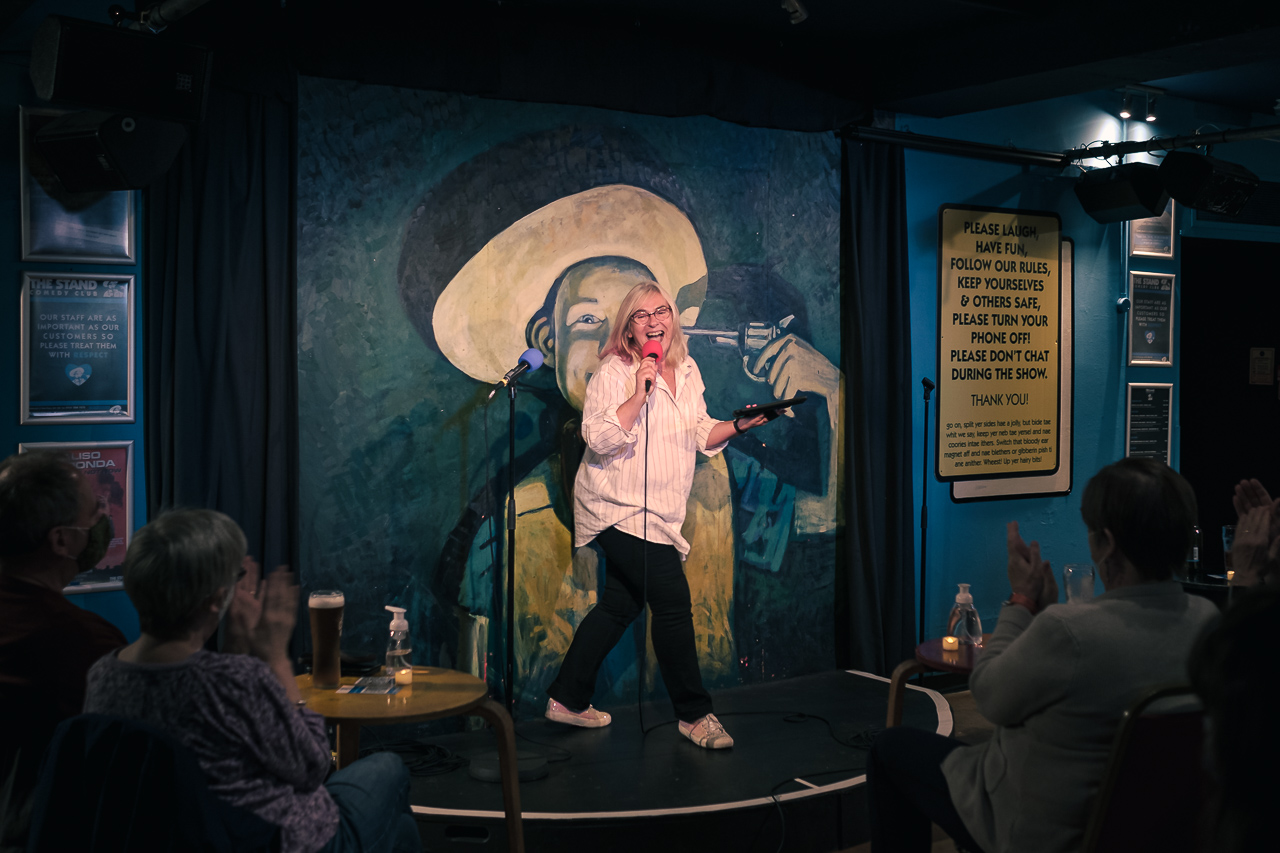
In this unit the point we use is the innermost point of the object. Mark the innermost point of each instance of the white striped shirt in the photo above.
(610, 488)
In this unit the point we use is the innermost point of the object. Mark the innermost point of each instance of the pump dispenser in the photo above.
(964, 623)
(398, 648)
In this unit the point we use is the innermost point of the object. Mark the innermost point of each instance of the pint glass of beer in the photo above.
(326, 631)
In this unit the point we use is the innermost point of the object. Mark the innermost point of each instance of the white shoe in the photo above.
(707, 733)
(588, 719)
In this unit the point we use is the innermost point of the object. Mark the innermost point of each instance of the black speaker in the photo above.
(108, 68)
(96, 151)
(1128, 191)
(1206, 183)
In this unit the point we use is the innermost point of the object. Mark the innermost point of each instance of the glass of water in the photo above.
(1077, 579)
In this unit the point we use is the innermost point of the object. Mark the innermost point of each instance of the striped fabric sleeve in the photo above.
(606, 391)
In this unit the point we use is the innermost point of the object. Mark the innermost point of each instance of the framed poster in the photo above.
(1153, 237)
(1148, 429)
(76, 348)
(64, 227)
(999, 347)
(1059, 482)
(109, 467)
(1151, 319)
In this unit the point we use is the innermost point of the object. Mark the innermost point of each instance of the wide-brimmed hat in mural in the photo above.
(481, 316)
(484, 247)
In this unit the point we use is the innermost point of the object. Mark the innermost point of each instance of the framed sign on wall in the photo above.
(1153, 237)
(108, 465)
(76, 348)
(1149, 420)
(999, 352)
(1151, 319)
(1059, 482)
(64, 227)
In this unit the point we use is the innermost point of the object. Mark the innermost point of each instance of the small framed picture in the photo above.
(63, 227)
(1153, 237)
(76, 348)
(1149, 420)
(109, 467)
(1150, 319)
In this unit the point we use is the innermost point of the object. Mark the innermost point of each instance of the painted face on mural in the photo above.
(586, 305)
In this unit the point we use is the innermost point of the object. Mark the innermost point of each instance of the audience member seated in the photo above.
(1255, 554)
(1232, 671)
(51, 528)
(241, 712)
(1055, 679)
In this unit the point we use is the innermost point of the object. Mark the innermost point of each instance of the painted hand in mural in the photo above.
(1028, 574)
(792, 366)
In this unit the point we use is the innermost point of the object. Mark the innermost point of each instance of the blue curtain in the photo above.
(220, 318)
(875, 583)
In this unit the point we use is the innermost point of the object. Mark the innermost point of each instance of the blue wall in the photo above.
(966, 542)
(15, 91)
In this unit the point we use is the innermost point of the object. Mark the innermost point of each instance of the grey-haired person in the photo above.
(240, 711)
(1055, 679)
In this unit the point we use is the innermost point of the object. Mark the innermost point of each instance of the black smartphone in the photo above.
(770, 409)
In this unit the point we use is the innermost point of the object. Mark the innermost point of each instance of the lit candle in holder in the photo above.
(950, 644)
(404, 676)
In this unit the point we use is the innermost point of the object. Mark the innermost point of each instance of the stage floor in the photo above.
(618, 787)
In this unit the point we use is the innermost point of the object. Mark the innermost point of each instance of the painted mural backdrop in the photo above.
(434, 236)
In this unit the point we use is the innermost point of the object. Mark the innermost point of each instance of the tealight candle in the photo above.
(950, 644)
(1230, 575)
(404, 676)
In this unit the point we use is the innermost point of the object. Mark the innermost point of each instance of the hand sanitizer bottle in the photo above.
(398, 648)
(964, 624)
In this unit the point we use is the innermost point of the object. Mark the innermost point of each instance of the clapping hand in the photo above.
(1255, 554)
(1249, 495)
(263, 612)
(1028, 574)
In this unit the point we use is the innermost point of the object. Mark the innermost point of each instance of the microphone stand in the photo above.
(924, 502)
(511, 551)
(487, 766)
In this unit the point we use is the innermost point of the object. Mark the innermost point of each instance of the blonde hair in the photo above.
(622, 343)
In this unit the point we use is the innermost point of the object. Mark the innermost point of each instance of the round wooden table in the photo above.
(434, 693)
(929, 656)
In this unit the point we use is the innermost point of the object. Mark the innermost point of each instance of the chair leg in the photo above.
(497, 716)
(898, 688)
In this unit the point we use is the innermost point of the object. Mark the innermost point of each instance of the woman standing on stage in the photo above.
(630, 496)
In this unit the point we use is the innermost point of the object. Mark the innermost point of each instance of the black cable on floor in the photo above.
(777, 802)
(422, 759)
(862, 739)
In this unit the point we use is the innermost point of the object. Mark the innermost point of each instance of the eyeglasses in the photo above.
(642, 317)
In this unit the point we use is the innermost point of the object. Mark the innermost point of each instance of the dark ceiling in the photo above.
(932, 57)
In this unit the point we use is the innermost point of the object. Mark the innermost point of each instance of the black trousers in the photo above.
(621, 602)
(906, 790)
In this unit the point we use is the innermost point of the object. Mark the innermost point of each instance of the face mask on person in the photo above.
(97, 540)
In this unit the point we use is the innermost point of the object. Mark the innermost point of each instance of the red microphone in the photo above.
(653, 350)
